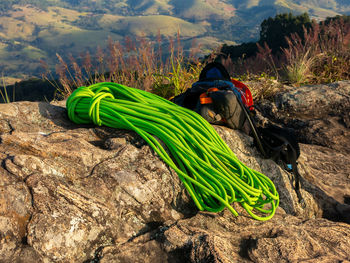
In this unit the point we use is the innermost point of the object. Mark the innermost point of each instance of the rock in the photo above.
(319, 113)
(15, 214)
(209, 237)
(81, 196)
(80, 193)
(326, 176)
(114, 143)
(320, 116)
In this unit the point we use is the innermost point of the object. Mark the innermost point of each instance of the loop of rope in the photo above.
(210, 171)
(94, 109)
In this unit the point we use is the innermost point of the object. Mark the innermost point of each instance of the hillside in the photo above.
(31, 29)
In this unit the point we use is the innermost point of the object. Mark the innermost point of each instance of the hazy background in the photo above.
(31, 30)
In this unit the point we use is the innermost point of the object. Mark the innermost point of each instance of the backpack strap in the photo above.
(281, 145)
(254, 131)
(288, 151)
(297, 182)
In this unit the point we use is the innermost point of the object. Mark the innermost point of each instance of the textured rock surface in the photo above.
(73, 193)
(219, 238)
(320, 115)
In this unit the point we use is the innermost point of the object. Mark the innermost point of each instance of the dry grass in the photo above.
(4, 94)
(137, 63)
(321, 55)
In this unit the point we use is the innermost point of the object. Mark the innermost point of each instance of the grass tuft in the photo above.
(320, 55)
(4, 94)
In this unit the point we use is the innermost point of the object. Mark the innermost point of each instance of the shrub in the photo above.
(299, 58)
(320, 55)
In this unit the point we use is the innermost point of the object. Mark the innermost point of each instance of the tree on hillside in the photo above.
(7, 5)
(275, 30)
(344, 18)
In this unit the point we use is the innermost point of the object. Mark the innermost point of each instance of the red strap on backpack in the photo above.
(246, 95)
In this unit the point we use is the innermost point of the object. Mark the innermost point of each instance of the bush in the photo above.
(274, 31)
(320, 55)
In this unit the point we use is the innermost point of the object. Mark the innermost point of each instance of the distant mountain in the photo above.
(38, 29)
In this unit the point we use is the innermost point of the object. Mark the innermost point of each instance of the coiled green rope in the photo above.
(210, 171)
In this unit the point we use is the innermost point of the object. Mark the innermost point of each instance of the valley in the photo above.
(33, 30)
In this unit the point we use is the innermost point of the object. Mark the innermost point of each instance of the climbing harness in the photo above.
(211, 173)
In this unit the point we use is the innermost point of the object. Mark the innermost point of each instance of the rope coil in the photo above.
(211, 173)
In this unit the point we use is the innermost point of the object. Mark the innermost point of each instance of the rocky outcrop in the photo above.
(221, 238)
(320, 115)
(80, 193)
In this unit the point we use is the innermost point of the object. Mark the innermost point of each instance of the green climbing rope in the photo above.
(211, 173)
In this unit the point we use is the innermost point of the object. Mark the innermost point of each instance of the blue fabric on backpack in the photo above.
(214, 73)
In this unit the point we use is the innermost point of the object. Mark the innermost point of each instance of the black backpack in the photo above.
(216, 98)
